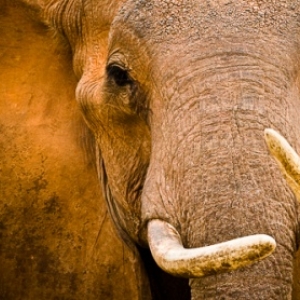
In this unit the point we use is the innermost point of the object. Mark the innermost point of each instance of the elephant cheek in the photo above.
(122, 166)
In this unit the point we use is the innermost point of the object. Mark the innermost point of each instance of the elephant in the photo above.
(186, 100)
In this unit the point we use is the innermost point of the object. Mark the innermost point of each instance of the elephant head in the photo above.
(178, 95)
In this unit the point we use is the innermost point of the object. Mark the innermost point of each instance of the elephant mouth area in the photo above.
(163, 285)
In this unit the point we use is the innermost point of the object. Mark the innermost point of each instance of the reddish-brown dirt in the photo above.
(56, 239)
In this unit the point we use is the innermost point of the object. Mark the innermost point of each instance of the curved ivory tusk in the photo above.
(287, 158)
(168, 252)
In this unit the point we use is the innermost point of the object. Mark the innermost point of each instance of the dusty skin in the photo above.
(56, 240)
(157, 108)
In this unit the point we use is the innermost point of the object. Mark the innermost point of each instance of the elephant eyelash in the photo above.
(119, 75)
(130, 93)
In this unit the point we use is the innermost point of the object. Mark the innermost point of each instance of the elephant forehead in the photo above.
(169, 19)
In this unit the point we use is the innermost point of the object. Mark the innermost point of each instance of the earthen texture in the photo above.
(56, 240)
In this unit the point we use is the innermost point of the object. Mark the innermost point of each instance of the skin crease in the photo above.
(183, 141)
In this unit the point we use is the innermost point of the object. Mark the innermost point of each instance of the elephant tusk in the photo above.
(286, 157)
(170, 255)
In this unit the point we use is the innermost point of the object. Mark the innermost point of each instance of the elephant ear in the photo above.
(287, 159)
(55, 237)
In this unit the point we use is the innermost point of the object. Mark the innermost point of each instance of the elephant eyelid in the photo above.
(119, 75)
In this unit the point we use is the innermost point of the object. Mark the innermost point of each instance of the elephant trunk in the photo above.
(211, 177)
(226, 224)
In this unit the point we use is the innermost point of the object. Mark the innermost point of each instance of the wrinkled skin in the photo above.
(178, 94)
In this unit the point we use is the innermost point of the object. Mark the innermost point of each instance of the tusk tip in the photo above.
(277, 144)
(271, 134)
(268, 244)
(269, 131)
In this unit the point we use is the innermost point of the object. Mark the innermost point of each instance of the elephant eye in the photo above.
(118, 75)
